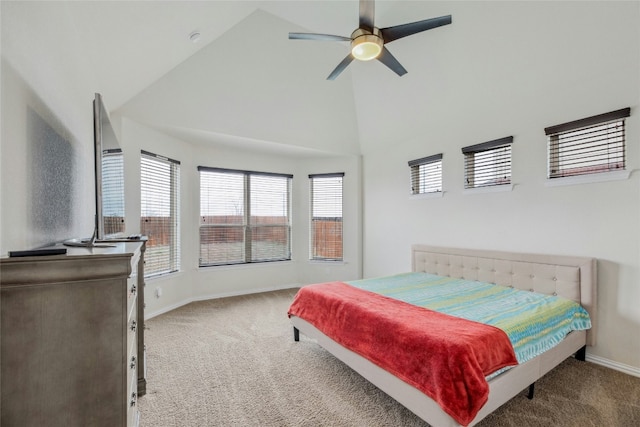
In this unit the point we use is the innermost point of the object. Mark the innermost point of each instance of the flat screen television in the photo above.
(109, 180)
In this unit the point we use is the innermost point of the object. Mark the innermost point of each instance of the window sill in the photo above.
(241, 266)
(588, 179)
(431, 195)
(490, 189)
(162, 277)
(327, 262)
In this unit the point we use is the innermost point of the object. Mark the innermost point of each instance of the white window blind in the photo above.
(488, 164)
(159, 197)
(113, 191)
(591, 145)
(245, 216)
(426, 174)
(326, 242)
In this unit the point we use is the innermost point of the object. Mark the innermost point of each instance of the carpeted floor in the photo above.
(233, 362)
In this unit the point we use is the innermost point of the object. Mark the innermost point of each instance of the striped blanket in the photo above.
(533, 322)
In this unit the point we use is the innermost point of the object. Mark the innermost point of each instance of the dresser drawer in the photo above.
(132, 378)
(132, 362)
(132, 329)
(132, 292)
(132, 310)
(131, 366)
(132, 401)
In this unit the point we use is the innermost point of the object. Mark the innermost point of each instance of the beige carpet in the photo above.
(233, 362)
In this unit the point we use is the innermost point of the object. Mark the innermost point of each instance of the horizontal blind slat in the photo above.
(113, 192)
(599, 147)
(159, 188)
(244, 216)
(488, 167)
(426, 177)
(326, 239)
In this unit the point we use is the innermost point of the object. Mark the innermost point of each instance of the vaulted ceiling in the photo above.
(251, 85)
(245, 84)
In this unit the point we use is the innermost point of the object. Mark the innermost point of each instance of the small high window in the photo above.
(426, 174)
(488, 164)
(592, 145)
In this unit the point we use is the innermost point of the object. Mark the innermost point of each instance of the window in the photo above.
(591, 145)
(159, 213)
(245, 217)
(113, 191)
(488, 164)
(426, 174)
(325, 238)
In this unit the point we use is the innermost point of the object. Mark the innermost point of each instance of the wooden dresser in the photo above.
(69, 338)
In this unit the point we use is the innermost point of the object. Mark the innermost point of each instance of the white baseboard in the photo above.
(216, 296)
(149, 315)
(608, 363)
(248, 292)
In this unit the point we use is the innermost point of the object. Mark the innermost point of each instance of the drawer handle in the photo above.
(133, 289)
(133, 362)
(134, 397)
(133, 326)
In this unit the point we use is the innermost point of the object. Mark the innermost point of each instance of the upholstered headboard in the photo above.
(569, 277)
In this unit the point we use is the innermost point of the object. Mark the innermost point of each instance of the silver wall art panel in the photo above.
(52, 170)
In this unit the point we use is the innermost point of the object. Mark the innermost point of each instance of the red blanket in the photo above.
(445, 357)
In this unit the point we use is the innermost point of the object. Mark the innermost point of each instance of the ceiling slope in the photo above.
(130, 44)
(255, 84)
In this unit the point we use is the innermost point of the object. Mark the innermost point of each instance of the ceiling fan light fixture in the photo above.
(369, 42)
(366, 46)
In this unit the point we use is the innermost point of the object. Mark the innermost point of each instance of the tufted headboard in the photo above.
(569, 277)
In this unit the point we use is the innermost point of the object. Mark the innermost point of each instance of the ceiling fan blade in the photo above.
(390, 34)
(367, 12)
(340, 68)
(390, 61)
(321, 37)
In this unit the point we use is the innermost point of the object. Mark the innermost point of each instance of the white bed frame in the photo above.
(570, 277)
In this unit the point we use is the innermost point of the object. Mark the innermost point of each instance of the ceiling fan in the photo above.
(368, 41)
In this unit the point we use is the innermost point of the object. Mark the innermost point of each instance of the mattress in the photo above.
(533, 322)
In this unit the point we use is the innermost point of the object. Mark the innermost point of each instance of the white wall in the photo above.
(193, 282)
(560, 83)
(44, 94)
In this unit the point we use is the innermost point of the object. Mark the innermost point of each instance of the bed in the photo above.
(573, 278)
